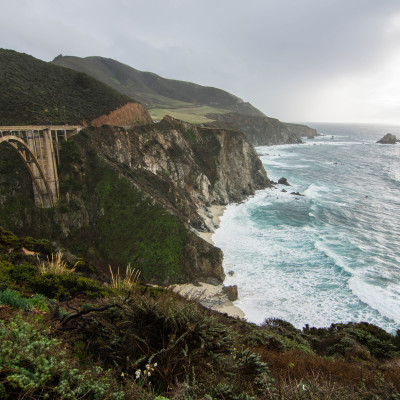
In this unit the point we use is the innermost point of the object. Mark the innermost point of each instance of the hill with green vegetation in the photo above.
(34, 92)
(188, 101)
(158, 93)
(65, 335)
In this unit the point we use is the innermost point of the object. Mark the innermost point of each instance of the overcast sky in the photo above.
(296, 60)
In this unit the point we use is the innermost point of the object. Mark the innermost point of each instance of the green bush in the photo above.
(35, 366)
(14, 300)
(23, 272)
(56, 286)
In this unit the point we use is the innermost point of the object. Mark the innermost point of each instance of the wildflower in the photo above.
(138, 373)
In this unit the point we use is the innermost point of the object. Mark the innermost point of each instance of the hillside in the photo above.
(36, 92)
(188, 101)
(153, 90)
(65, 335)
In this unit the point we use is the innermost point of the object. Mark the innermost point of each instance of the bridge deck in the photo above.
(41, 127)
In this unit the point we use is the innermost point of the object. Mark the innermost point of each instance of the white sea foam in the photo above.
(329, 256)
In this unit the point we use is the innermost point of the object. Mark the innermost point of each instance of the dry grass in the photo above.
(309, 376)
(128, 281)
(56, 265)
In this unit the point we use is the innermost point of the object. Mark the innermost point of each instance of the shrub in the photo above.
(187, 344)
(65, 285)
(34, 364)
(23, 272)
(14, 300)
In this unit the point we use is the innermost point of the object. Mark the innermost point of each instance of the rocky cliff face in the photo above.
(302, 130)
(137, 196)
(260, 131)
(195, 167)
(127, 115)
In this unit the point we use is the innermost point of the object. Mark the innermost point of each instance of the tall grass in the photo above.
(128, 281)
(56, 265)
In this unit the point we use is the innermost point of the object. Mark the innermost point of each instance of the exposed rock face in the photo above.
(127, 115)
(388, 139)
(261, 131)
(137, 196)
(302, 130)
(194, 166)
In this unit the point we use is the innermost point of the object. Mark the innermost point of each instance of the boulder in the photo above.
(388, 139)
(231, 292)
(283, 181)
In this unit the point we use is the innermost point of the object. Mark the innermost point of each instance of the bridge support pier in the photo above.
(38, 147)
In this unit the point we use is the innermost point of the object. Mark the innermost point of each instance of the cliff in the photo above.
(260, 131)
(137, 196)
(302, 130)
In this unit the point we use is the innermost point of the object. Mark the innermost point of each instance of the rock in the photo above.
(213, 281)
(297, 194)
(231, 292)
(231, 273)
(283, 181)
(388, 139)
(284, 190)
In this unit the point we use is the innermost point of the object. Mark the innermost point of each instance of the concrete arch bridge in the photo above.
(38, 146)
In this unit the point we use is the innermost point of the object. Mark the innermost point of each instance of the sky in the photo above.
(296, 60)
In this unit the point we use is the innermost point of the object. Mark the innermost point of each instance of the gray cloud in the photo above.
(294, 59)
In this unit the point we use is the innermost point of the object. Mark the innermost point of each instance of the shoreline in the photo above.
(213, 219)
(208, 295)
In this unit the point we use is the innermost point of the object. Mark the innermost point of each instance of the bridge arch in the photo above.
(41, 185)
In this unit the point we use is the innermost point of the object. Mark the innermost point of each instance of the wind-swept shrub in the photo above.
(34, 366)
(66, 285)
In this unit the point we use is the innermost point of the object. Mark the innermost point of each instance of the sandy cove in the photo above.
(210, 296)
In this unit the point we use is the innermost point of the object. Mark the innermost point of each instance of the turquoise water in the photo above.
(332, 255)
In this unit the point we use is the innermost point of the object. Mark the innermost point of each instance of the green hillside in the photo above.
(36, 92)
(162, 96)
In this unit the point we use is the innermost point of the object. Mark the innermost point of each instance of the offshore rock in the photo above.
(388, 139)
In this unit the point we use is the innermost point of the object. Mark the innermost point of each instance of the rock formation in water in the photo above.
(388, 139)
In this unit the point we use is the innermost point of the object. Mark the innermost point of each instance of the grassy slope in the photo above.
(184, 100)
(108, 334)
(36, 92)
(101, 215)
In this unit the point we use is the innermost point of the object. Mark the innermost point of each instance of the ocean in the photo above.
(332, 254)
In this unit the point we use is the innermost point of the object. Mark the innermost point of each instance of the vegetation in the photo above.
(149, 343)
(182, 100)
(192, 114)
(36, 92)
(92, 190)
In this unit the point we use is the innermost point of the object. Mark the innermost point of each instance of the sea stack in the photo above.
(388, 139)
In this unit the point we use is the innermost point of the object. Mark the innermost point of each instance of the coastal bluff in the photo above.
(138, 196)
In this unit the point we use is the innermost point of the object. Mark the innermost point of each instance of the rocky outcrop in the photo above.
(130, 114)
(260, 131)
(388, 139)
(194, 167)
(138, 196)
(302, 130)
